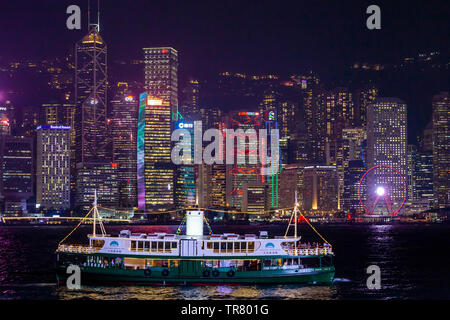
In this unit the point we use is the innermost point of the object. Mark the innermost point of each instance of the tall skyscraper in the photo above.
(124, 130)
(16, 172)
(161, 76)
(185, 191)
(386, 145)
(441, 149)
(53, 167)
(315, 119)
(247, 189)
(155, 177)
(320, 188)
(95, 177)
(91, 98)
(362, 98)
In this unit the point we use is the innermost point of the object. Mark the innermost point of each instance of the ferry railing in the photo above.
(77, 249)
(309, 251)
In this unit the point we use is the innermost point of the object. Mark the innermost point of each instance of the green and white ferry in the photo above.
(195, 258)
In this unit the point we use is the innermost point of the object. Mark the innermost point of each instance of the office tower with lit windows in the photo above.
(16, 173)
(387, 145)
(185, 189)
(95, 177)
(362, 97)
(161, 76)
(61, 113)
(411, 173)
(124, 118)
(320, 188)
(247, 188)
(441, 149)
(91, 141)
(424, 175)
(191, 100)
(155, 171)
(352, 176)
(53, 167)
(313, 137)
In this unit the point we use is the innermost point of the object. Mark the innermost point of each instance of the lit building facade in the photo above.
(124, 131)
(247, 189)
(441, 149)
(161, 75)
(53, 167)
(16, 172)
(155, 171)
(185, 189)
(97, 178)
(91, 141)
(387, 145)
(320, 188)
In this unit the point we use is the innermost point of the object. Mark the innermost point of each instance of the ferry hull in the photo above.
(137, 277)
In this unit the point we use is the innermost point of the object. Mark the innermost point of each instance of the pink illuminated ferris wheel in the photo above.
(382, 191)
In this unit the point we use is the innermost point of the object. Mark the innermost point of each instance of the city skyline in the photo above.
(330, 131)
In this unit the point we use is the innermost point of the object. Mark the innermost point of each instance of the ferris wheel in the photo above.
(382, 191)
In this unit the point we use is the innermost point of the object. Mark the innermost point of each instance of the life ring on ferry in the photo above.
(206, 273)
(148, 272)
(165, 273)
(215, 273)
(230, 273)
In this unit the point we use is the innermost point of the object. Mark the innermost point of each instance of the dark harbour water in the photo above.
(414, 262)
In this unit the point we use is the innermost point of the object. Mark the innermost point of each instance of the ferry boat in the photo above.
(195, 258)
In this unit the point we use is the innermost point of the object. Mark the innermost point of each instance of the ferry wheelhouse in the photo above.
(195, 258)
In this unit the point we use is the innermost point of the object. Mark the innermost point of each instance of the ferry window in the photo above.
(133, 245)
(251, 246)
(153, 246)
(216, 247)
(209, 245)
(160, 246)
(174, 245)
(229, 246)
(166, 246)
(140, 245)
(243, 246)
(267, 263)
(147, 246)
(223, 247)
(237, 247)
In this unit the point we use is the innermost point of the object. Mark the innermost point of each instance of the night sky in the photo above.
(282, 37)
(249, 36)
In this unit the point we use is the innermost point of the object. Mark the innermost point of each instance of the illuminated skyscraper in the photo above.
(16, 173)
(185, 191)
(362, 98)
(191, 100)
(124, 131)
(441, 149)
(155, 176)
(320, 188)
(386, 145)
(53, 167)
(161, 75)
(91, 98)
(315, 119)
(247, 189)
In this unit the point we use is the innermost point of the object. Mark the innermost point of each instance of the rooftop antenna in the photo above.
(89, 15)
(98, 15)
(96, 25)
